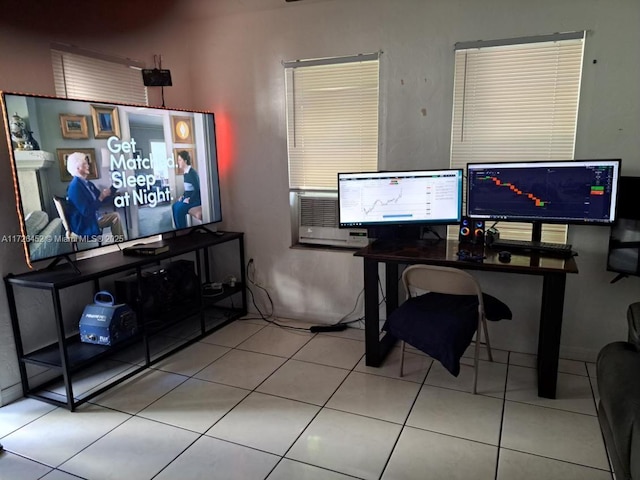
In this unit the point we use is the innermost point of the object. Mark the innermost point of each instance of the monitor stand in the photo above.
(71, 262)
(536, 232)
(203, 229)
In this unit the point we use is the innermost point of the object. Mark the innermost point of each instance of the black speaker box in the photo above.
(471, 231)
(161, 288)
(154, 77)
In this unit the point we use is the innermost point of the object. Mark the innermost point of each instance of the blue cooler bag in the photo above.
(104, 323)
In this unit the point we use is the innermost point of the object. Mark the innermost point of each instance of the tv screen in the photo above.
(89, 174)
(400, 198)
(624, 240)
(575, 191)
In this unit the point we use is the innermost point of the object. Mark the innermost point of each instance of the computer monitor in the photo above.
(400, 198)
(571, 192)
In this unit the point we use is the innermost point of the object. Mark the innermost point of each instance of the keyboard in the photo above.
(556, 249)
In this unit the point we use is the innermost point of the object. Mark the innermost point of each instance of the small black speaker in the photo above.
(478, 232)
(471, 231)
(154, 77)
(464, 235)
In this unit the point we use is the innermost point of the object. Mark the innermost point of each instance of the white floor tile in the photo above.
(233, 334)
(59, 475)
(210, 458)
(375, 396)
(13, 467)
(93, 378)
(449, 432)
(289, 470)
(195, 405)
(332, 351)
(265, 422)
(500, 356)
(420, 455)
(531, 467)
(564, 365)
(573, 392)
(461, 414)
(21, 412)
(572, 366)
(566, 436)
(523, 359)
(138, 449)
(139, 391)
(276, 341)
(59, 435)
(415, 366)
(303, 381)
(241, 369)
(491, 378)
(192, 359)
(346, 443)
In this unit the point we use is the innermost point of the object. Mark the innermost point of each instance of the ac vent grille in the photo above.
(318, 212)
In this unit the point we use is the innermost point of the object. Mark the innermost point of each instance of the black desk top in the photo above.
(444, 253)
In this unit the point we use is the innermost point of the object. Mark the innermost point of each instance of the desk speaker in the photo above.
(471, 231)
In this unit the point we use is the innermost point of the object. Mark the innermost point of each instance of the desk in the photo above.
(392, 254)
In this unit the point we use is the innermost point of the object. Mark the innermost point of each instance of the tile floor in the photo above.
(254, 401)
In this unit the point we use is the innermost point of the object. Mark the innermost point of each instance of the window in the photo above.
(517, 100)
(332, 119)
(93, 76)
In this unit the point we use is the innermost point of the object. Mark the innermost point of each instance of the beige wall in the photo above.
(229, 61)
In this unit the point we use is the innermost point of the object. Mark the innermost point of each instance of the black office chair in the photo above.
(442, 321)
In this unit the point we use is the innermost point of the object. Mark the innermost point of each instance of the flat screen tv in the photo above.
(624, 240)
(79, 164)
(571, 192)
(400, 198)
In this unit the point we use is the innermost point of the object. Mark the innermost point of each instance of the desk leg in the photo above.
(371, 314)
(553, 288)
(376, 349)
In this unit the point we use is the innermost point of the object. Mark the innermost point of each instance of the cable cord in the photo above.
(266, 318)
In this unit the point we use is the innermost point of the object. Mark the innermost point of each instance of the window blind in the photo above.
(90, 78)
(332, 119)
(517, 102)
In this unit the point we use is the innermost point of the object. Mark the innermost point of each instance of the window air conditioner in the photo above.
(318, 222)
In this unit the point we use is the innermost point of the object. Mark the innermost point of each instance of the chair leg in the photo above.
(402, 357)
(476, 357)
(486, 339)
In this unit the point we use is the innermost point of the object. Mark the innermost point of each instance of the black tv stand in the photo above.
(58, 368)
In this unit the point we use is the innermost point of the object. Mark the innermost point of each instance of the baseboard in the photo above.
(578, 354)
(10, 394)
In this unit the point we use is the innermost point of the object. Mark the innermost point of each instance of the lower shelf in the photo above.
(94, 369)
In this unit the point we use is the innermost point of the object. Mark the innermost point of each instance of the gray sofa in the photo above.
(40, 230)
(618, 371)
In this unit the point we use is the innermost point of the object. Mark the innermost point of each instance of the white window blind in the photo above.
(517, 102)
(90, 78)
(332, 119)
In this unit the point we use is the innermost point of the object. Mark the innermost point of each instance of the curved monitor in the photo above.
(572, 192)
(398, 198)
(128, 170)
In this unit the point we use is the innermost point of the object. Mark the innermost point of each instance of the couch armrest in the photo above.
(618, 366)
